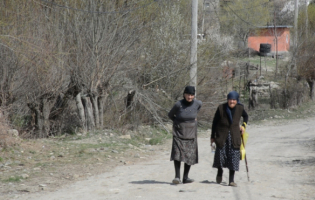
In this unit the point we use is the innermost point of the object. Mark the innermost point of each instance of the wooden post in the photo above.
(265, 65)
(260, 65)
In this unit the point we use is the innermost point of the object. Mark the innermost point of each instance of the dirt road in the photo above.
(281, 160)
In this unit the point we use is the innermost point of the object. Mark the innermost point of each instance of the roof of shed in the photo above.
(277, 26)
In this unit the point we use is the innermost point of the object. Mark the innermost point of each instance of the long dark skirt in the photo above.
(227, 156)
(185, 150)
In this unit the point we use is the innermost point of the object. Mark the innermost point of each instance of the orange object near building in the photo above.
(266, 34)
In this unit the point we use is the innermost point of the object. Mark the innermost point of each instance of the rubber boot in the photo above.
(219, 175)
(185, 177)
(176, 180)
(231, 179)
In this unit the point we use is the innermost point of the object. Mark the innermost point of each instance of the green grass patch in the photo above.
(41, 165)
(20, 121)
(13, 179)
(79, 138)
(155, 141)
(159, 136)
(256, 61)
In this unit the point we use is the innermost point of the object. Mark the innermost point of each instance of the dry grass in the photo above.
(59, 161)
(8, 137)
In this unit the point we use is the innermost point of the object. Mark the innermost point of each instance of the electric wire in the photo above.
(242, 18)
(246, 8)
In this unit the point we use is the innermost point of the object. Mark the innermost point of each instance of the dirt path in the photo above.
(281, 161)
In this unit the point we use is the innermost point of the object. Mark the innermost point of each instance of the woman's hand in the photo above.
(242, 129)
(212, 141)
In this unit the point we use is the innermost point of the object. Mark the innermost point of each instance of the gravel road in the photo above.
(281, 161)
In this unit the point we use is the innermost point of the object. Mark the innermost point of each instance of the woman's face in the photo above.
(232, 103)
(189, 97)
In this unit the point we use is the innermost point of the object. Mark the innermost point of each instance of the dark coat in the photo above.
(223, 127)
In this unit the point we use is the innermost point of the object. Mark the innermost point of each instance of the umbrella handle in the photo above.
(245, 156)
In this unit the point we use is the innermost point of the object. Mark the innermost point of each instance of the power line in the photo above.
(242, 18)
(98, 12)
(245, 8)
(253, 6)
(234, 12)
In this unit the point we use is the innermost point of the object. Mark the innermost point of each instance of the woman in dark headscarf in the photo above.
(226, 133)
(185, 148)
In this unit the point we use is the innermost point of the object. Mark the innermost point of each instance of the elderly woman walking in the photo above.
(184, 147)
(226, 133)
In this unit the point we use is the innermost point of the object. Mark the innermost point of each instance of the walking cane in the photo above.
(245, 157)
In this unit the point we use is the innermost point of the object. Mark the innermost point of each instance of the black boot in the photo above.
(231, 179)
(176, 180)
(219, 175)
(186, 171)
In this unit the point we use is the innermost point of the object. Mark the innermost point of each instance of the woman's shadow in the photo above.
(168, 183)
(209, 182)
(150, 182)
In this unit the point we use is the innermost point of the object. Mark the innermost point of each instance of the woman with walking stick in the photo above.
(226, 133)
(184, 147)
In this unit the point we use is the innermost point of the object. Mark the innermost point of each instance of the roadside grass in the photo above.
(42, 156)
(303, 111)
(13, 179)
(270, 62)
(159, 137)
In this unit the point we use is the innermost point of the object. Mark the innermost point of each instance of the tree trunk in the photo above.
(45, 115)
(88, 110)
(38, 119)
(94, 101)
(42, 124)
(129, 98)
(101, 100)
(80, 107)
(311, 83)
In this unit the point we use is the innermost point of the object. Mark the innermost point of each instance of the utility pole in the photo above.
(306, 19)
(276, 41)
(203, 17)
(296, 13)
(193, 48)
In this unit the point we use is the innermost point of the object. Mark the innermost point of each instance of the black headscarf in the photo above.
(189, 90)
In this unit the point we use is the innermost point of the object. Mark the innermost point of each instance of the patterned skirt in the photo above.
(227, 156)
(185, 150)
